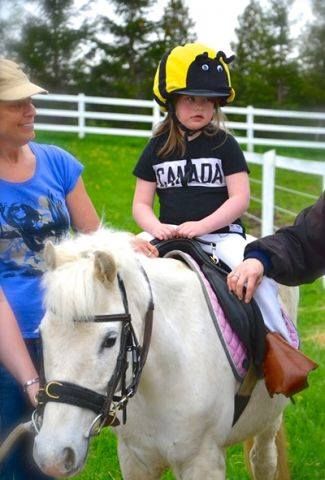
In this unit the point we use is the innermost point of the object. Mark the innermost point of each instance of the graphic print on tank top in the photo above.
(25, 228)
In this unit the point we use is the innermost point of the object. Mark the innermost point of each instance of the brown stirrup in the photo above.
(285, 368)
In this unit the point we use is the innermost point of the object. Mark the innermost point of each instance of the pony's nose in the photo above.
(59, 464)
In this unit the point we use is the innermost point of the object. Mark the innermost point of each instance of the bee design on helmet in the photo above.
(193, 69)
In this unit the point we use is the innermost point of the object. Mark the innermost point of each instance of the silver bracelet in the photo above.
(30, 382)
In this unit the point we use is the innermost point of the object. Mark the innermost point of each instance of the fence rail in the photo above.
(269, 162)
(84, 114)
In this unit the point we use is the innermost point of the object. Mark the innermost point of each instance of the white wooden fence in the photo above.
(269, 162)
(85, 114)
(97, 115)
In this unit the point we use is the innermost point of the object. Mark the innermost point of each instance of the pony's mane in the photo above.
(103, 239)
(71, 290)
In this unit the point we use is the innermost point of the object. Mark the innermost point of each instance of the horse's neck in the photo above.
(182, 327)
(185, 354)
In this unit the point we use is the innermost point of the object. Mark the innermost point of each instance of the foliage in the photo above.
(312, 59)
(11, 20)
(123, 56)
(50, 46)
(136, 46)
(176, 27)
(116, 54)
(265, 73)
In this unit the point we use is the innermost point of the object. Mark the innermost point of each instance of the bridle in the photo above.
(105, 406)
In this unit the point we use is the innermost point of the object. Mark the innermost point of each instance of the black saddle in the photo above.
(245, 318)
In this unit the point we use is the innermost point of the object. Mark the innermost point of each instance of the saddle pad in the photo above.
(235, 349)
(293, 333)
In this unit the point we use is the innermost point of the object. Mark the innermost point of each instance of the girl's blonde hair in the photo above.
(175, 140)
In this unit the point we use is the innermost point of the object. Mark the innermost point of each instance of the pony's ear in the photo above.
(105, 267)
(50, 255)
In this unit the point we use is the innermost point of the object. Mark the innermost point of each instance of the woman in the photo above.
(42, 195)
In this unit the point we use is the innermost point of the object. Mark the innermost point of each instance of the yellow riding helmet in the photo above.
(193, 69)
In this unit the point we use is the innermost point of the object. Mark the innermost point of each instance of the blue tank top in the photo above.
(32, 212)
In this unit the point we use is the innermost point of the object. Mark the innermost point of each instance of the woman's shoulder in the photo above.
(48, 149)
(56, 160)
(53, 154)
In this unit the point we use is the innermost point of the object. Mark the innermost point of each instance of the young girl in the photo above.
(195, 166)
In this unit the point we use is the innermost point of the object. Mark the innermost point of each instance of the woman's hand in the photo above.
(31, 390)
(245, 278)
(143, 246)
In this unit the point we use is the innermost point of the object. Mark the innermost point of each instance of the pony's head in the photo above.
(82, 333)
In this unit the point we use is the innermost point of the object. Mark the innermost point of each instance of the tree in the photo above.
(252, 56)
(176, 27)
(134, 45)
(119, 70)
(11, 21)
(265, 70)
(50, 47)
(311, 58)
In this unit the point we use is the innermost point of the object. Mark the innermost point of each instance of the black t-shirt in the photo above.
(213, 158)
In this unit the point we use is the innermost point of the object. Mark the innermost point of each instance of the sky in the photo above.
(216, 20)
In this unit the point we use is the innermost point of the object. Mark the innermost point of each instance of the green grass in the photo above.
(109, 162)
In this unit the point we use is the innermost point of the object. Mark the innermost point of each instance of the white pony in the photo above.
(181, 416)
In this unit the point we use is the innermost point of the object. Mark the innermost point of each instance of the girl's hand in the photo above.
(163, 231)
(142, 246)
(190, 230)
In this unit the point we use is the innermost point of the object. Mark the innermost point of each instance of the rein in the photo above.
(106, 406)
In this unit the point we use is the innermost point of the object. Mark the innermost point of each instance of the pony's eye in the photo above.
(109, 341)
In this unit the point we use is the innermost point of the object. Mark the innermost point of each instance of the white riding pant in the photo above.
(230, 249)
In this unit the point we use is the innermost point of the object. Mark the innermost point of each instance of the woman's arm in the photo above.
(227, 213)
(81, 209)
(143, 211)
(292, 255)
(296, 253)
(13, 351)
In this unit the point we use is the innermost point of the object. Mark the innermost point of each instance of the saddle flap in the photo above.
(245, 319)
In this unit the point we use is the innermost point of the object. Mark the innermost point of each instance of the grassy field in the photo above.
(109, 162)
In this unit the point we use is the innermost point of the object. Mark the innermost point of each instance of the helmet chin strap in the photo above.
(189, 165)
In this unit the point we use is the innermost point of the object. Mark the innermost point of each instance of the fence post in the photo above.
(269, 159)
(323, 178)
(250, 128)
(81, 115)
(155, 115)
